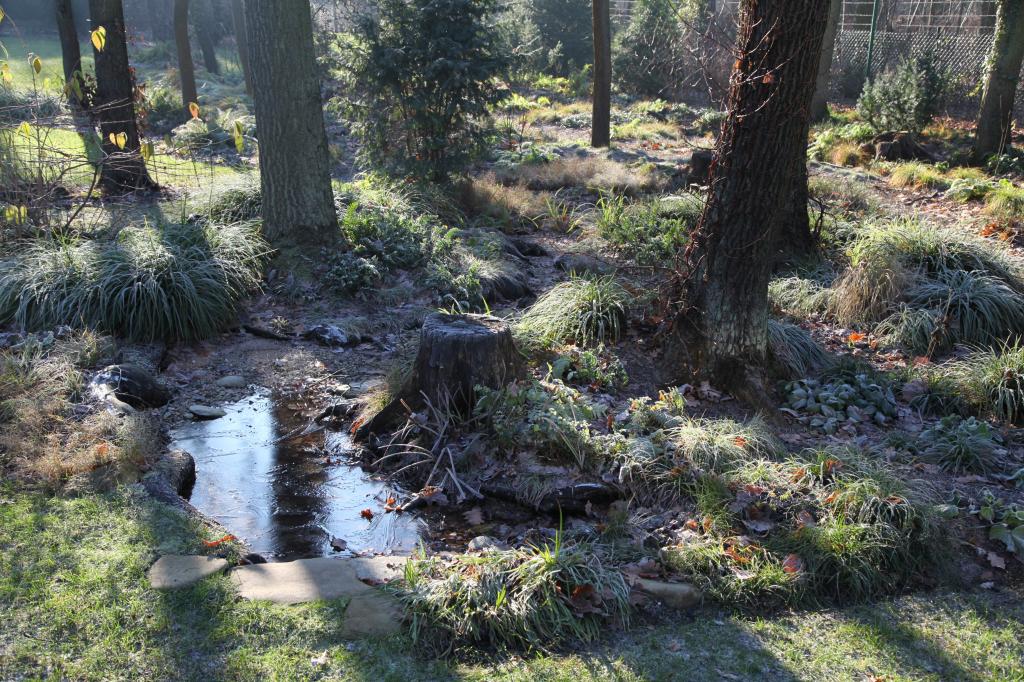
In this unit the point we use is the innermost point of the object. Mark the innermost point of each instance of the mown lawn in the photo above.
(74, 603)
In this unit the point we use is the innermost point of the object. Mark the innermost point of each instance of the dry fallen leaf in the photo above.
(996, 561)
(219, 541)
(367, 514)
(792, 564)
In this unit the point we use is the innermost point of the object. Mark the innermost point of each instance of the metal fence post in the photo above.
(871, 39)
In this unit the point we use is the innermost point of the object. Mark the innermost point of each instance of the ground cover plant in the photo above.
(595, 504)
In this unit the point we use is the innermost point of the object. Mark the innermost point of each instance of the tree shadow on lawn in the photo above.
(916, 646)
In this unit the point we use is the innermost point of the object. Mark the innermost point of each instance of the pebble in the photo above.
(205, 412)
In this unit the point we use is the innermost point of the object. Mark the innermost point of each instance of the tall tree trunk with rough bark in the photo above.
(600, 132)
(238, 24)
(995, 119)
(819, 105)
(721, 333)
(123, 169)
(295, 178)
(186, 69)
(71, 51)
(206, 31)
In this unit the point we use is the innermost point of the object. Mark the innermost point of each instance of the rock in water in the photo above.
(129, 384)
(232, 381)
(206, 412)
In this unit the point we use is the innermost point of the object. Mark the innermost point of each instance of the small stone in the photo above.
(129, 385)
(675, 595)
(206, 412)
(232, 381)
(581, 264)
(483, 543)
(174, 570)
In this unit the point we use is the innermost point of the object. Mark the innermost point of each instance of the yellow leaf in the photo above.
(193, 109)
(147, 151)
(119, 140)
(99, 38)
(239, 137)
(5, 73)
(36, 62)
(2, 15)
(25, 129)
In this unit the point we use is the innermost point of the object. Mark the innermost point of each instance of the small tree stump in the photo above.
(460, 352)
(457, 353)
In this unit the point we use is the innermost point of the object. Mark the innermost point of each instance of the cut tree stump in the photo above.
(457, 353)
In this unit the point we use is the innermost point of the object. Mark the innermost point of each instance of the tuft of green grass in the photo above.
(798, 296)
(917, 175)
(167, 282)
(235, 204)
(533, 598)
(587, 311)
(972, 285)
(1005, 200)
(992, 380)
(846, 154)
(792, 349)
(974, 308)
(652, 232)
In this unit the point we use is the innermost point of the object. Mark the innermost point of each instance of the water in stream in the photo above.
(280, 497)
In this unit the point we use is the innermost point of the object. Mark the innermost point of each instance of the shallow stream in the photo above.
(287, 498)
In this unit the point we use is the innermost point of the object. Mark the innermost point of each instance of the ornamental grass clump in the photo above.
(531, 598)
(172, 282)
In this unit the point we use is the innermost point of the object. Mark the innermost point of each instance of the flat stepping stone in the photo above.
(370, 612)
(206, 412)
(232, 381)
(174, 571)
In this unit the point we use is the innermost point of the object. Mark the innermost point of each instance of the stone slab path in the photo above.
(174, 571)
(370, 611)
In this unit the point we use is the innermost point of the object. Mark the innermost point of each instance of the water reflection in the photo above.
(281, 498)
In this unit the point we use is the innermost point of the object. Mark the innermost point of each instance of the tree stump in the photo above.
(457, 353)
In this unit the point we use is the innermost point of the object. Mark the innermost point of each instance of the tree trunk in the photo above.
(205, 25)
(995, 119)
(457, 353)
(160, 22)
(71, 52)
(600, 132)
(186, 69)
(721, 333)
(295, 177)
(819, 105)
(238, 22)
(123, 168)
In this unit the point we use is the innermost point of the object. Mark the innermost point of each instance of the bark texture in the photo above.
(995, 118)
(721, 333)
(460, 352)
(457, 353)
(600, 132)
(71, 52)
(206, 32)
(298, 203)
(122, 169)
(819, 105)
(186, 69)
(238, 24)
